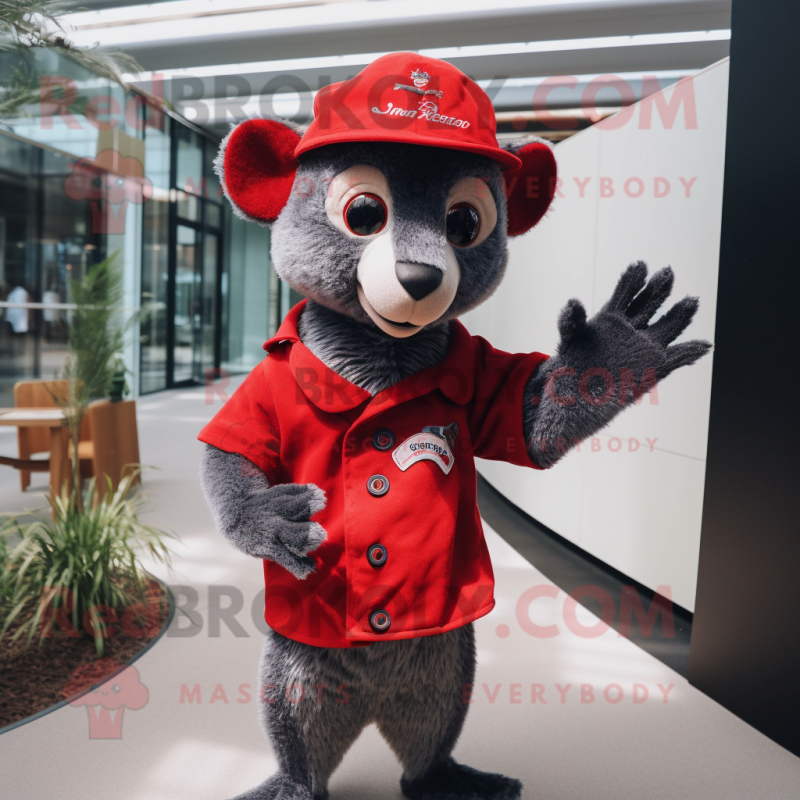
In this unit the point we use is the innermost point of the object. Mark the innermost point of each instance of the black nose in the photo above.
(419, 280)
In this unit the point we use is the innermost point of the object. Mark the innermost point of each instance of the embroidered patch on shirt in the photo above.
(435, 444)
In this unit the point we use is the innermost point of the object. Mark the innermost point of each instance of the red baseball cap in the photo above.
(405, 97)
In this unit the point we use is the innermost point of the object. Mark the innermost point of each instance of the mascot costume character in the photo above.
(345, 460)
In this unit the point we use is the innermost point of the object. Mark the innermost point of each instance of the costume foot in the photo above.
(452, 781)
(281, 787)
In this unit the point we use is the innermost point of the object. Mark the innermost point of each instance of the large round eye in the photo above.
(463, 224)
(365, 214)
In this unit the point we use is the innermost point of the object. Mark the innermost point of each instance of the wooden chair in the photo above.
(109, 440)
(115, 441)
(36, 441)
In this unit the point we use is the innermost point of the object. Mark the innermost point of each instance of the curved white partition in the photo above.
(643, 186)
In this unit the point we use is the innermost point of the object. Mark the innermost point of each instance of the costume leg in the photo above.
(422, 717)
(311, 712)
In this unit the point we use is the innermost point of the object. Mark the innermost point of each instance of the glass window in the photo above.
(246, 293)
(213, 186)
(155, 285)
(140, 184)
(188, 306)
(155, 264)
(189, 175)
(213, 215)
(58, 216)
(61, 104)
(209, 310)
(157, 155)
(72, 189)
(188, 206)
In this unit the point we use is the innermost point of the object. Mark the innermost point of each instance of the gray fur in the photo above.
(616, 338)
(280, 787)
(264, 521)
(365, 355)
(419, 179)
(412, 689)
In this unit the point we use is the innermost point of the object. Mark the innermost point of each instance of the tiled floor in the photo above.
(586, 746)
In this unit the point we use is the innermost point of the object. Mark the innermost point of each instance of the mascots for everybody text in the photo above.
(346, 459)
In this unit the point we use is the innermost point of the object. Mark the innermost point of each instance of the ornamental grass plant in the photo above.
(32, 24)
(84, 560)
(96, 337)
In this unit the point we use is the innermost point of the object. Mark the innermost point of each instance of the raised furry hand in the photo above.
(605, 362)
(264, 521)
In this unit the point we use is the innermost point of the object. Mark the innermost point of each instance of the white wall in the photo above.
(638, 511)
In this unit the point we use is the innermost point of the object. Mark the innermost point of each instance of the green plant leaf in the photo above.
(92, 552)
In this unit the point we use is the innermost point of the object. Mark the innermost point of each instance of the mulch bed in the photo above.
(39, 676)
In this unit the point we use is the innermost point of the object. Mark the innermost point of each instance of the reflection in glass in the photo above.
(213, 186)
(210, 258)
(213, 215)
(46, 237)
(188, 206)
(155, 266)
(246, 295)
(187, 303)
(190, 162)
(72, 192)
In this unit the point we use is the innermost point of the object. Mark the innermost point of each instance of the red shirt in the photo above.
(414, 496)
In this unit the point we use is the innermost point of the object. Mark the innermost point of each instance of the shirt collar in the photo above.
(454, 376)
(287, 332)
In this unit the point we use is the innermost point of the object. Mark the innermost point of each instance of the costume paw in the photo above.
(620, 334)
(280, 787)
(276, 525)
(452, 781)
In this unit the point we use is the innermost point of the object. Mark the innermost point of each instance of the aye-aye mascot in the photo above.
(346, 459)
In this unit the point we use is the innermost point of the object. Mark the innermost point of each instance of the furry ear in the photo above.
(531, 187)
(256, 166)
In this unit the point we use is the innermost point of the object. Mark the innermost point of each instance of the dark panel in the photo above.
(745, 649)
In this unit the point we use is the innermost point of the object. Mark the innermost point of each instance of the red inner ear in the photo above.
(260, 167)
(530, 189)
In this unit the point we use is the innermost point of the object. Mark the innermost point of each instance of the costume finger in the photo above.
(685, 353)
(297, 501)
(629, 285)
(571, 320)
(288, 490)
(301, 538)
(674, 322)
(651, 298)
(300, 566)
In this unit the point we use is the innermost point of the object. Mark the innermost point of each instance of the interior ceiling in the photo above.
(222, 59)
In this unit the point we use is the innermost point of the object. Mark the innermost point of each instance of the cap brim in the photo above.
(506, 160)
